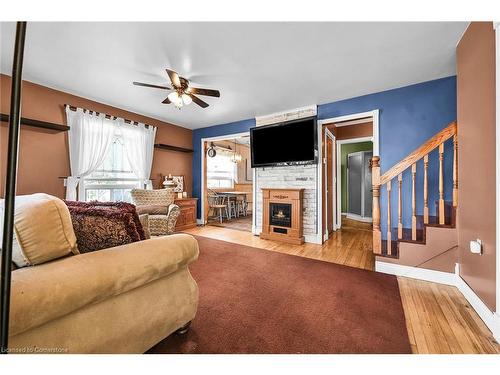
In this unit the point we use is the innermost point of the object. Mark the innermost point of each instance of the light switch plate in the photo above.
(476, 247)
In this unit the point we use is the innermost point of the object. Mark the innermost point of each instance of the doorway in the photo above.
(228, 183)
(334, 133)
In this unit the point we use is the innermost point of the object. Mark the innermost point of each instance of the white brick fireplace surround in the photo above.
(290, 177)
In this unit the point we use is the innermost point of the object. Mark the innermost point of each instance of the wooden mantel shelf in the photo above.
(163, 146)
(37, 123)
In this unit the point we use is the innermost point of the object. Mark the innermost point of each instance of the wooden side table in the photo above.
(187, 217)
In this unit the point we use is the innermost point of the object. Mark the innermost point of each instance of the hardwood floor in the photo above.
(438, 318)
(243, 223)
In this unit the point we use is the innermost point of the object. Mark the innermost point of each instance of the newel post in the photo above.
(377, 237)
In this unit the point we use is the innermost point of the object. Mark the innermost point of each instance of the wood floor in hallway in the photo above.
(438, 317)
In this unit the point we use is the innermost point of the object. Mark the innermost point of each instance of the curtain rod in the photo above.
(73, 108)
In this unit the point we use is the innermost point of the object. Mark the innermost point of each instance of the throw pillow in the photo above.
(152, 209)
(102, 228)
(114, 206)
(42, 230)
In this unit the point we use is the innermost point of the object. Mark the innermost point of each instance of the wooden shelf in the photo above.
(163, 146)
(37, 123)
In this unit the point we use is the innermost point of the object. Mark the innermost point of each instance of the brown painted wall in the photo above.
(44, 156)
(476, 165)
(351, 131)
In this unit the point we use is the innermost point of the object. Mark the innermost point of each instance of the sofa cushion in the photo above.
(42, 228)
(52, 290)
(152, 209)
(164, 197)
(102, 228)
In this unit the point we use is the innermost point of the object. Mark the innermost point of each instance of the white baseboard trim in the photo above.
(200, 222)
(491, 319)
(439, 277)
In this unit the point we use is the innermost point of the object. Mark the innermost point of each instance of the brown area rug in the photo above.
(259, 301)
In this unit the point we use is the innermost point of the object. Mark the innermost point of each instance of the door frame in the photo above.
(329, 134)
(374, 114)
(203, 174)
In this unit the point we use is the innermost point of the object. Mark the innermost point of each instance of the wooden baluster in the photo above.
(377, 238)
(413, 204)
(441, 185)
(389, 235)
(400, 206)
(455, 171)
(426, 192)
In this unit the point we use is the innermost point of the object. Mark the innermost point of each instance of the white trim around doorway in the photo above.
(374, 114)
(496, 25)
(203, 156)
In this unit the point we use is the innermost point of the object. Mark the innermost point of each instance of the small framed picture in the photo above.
(179, 196)
(179, 183)
(184, 194)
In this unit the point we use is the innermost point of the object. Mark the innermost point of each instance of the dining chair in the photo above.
(218, 206)
(242, 205)
(232, 207)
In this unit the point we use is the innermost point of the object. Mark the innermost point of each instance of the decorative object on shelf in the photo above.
(168, 182)
(184, 194)
(179, 195)
(179, 183)
(211, 152)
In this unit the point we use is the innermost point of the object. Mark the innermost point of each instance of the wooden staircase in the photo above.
(420, 233)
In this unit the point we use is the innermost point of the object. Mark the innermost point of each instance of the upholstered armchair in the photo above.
(159, 205)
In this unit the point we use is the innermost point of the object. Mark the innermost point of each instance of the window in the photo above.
(221, 172)
(114, 179)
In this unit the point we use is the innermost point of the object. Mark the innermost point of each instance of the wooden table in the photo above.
(234, 194)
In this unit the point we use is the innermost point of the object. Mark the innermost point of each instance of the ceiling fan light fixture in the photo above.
(175, 99)
(186, 99)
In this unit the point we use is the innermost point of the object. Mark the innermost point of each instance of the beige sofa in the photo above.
(119, 300)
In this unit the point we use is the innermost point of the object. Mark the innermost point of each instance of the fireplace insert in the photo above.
(280, 214)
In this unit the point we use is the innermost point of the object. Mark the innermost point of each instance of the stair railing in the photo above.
(437, 141)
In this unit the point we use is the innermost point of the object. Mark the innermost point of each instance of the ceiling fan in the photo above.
(182, 94)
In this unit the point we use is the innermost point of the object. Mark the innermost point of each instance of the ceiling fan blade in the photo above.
(174, 78)
(207, 92)
(153, 86)
(198, 101)
(166, 101)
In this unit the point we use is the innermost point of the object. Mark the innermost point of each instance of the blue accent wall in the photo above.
(408, 117)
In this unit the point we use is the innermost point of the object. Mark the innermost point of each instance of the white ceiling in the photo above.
(260, 68)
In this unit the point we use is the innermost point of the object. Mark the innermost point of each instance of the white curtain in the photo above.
(90, 137)
(139, 142)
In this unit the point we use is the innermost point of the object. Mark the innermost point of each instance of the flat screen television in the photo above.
(292, 142)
